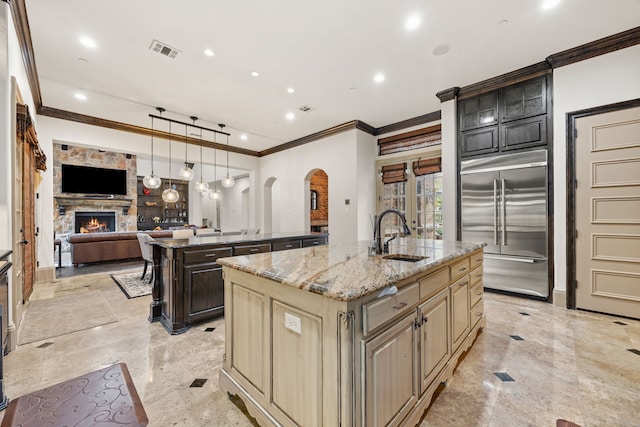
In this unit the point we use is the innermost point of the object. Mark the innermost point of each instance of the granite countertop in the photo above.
(170, 243)
(347, 272)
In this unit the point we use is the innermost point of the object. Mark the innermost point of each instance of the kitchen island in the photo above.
(333, 336)
(188, 285)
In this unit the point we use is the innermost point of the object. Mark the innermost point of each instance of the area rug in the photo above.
(48, 318)
(132, 285)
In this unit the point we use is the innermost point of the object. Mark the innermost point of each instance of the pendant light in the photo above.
(152, 180)
(170, 195)
(201, 185)
(228, 180)
(186, 172)
(215, 194)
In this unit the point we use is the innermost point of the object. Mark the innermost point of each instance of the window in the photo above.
(417, 193)
(314, 200)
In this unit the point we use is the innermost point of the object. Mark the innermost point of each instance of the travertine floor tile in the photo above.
(569, 364)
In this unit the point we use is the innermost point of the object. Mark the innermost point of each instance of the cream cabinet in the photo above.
(298, 358)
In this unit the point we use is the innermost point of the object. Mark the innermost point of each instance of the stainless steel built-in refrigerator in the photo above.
(504, 203)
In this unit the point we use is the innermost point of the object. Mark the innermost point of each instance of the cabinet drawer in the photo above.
(316, 241)
(434, 282)
(459, 268)
(377, 312)
(477, 258)
(205, 255)
(476, 275)
(475, 293)
(476, 313)
(282, 246)
(252, 249)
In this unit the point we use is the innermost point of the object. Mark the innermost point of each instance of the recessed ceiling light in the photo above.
(378, 78)
(290, 116)
(80, 96)
(548, 4)
(443, 49)
(87, 42)
(208, 52)
(291, 90)
(255, 74)
(412, 23)
(243, 136)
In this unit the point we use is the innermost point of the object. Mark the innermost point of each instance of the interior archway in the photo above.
(317, 206)
(271, 206)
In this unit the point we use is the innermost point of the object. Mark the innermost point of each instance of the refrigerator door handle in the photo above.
(503, 217)
(495, 211)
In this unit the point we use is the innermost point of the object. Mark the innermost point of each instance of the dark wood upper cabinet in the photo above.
(523, 100)
(524, 113)
(479, 111)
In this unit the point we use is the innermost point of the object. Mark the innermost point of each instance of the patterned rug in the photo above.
(132, 285)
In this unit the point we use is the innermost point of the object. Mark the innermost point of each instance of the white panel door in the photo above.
(608, 212)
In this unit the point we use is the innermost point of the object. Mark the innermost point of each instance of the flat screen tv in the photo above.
(89, 180)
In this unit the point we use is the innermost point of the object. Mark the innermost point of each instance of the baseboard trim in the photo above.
(560, 298)
(45, 275)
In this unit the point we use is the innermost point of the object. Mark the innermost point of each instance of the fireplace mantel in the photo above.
(93, 201)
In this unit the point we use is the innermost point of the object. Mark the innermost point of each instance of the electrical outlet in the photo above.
(293, 323)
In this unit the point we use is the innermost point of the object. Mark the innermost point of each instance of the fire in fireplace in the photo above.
(95, 222)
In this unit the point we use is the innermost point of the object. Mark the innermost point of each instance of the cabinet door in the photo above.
(435, 337)
(204, 289)
(524, 133)
(390, 374)
(478, 111)
(459, 311)
(481, 141)
(523, 100)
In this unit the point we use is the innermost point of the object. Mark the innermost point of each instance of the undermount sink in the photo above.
(404, 257)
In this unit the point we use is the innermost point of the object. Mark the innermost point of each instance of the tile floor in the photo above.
(554, 363)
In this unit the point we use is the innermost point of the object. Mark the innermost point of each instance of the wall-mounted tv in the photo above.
(89, 180)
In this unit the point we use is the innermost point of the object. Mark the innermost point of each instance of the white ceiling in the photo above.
(327, 50)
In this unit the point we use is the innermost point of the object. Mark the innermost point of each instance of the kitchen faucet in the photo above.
(380, 249)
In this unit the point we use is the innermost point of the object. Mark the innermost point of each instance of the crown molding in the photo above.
(526, 73)
(23, 32)
(596, 48)
(125, 127)
(448, 94)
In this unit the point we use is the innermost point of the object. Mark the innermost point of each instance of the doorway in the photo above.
(604, 271)
(317, 191)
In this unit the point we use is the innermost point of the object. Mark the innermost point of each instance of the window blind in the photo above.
(426, 166)
(420, 138)
(394, 173)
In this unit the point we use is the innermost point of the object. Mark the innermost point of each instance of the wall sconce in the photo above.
(125, 210)
(62, 210)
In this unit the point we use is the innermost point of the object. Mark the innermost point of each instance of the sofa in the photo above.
(98, 247)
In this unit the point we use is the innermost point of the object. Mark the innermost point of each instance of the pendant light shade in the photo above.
(170, 195)
(215, 193)
(152, 180)
(202, 186)
(186, 172)
(228, 180)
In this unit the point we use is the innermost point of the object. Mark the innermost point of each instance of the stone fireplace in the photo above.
(121, 208)
(94, 222)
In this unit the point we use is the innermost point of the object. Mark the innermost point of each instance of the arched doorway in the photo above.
(272, 206)
(317, 196)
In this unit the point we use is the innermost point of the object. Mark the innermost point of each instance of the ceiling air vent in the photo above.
(304, 108)
(164, 49)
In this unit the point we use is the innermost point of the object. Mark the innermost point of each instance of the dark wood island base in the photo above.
(188, 285)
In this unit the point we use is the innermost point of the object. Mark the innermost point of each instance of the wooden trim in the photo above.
(354, 124)
(404, 124)
(21, 22)
(571, 187)
(595, 48)
(448, 94)
(494, 83)
(124, 127)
